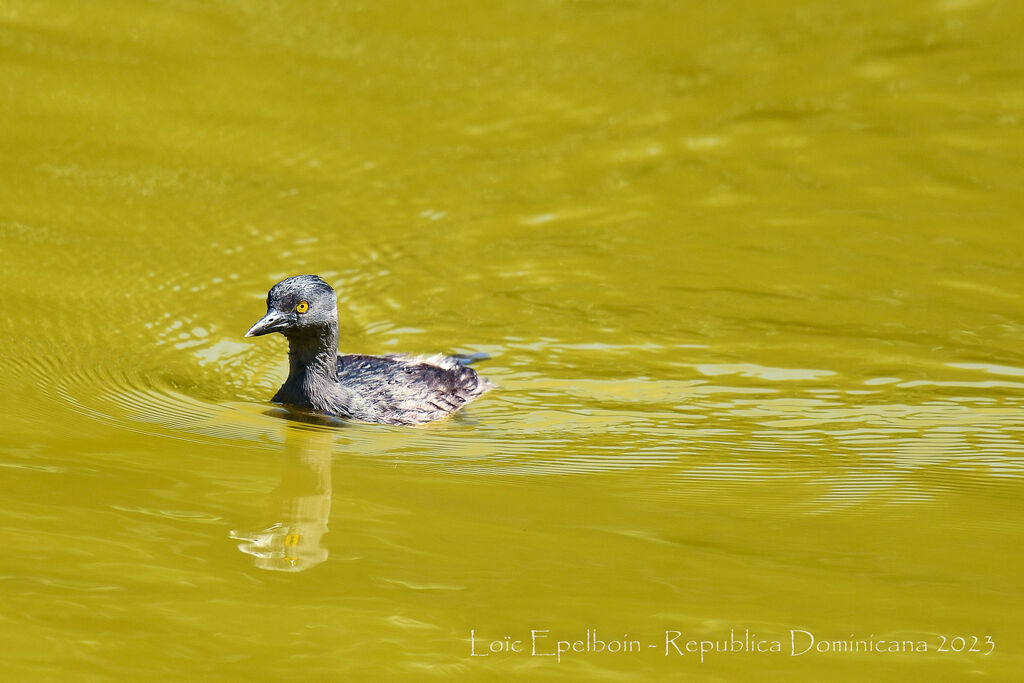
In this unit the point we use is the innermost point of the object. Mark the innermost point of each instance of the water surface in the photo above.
(749, 275)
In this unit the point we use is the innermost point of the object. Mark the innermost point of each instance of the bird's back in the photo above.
(400, 389)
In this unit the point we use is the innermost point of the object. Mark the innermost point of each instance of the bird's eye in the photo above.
(302, 307)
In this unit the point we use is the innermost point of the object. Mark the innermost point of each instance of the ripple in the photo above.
(711, 424)
(761, 372)
(140, 404)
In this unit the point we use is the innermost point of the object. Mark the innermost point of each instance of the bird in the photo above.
(394, 389)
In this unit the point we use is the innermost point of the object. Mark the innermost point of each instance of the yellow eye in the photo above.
(302, 307)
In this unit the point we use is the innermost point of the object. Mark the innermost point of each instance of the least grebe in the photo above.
(391, 389)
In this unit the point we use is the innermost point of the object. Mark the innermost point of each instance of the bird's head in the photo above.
(299, 307)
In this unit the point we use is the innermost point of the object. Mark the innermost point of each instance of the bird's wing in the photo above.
(406, 389)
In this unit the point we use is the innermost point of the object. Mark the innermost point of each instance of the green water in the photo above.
(750, 275)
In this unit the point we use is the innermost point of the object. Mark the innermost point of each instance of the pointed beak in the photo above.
(271, 322)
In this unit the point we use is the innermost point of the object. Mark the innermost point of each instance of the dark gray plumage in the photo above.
(392, 389)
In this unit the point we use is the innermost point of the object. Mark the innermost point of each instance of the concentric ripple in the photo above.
(719, 425)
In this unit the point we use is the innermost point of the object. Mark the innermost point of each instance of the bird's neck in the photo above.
(313, 358)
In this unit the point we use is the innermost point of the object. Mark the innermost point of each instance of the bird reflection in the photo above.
(300, 505)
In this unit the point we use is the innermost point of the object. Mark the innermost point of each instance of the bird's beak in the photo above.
(271, 322)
